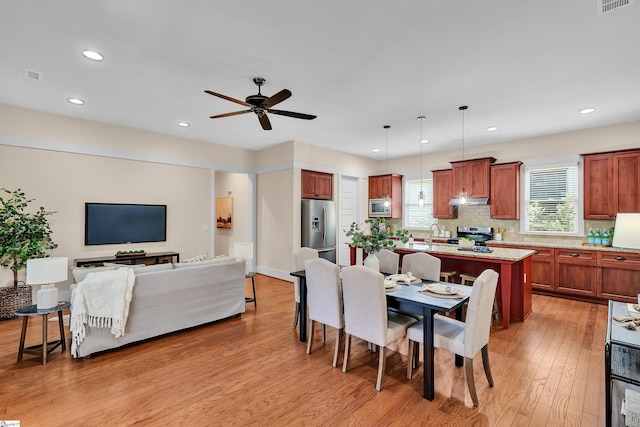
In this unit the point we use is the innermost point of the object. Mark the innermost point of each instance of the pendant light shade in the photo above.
(387, 199)
(421, 195)
(462, 195)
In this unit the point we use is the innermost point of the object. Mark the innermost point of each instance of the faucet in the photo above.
(431, 235)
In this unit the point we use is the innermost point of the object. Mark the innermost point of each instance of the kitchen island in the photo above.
(513, 265)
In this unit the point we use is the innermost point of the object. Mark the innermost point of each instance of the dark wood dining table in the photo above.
(408, 299)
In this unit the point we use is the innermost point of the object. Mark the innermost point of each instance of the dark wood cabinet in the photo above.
(442, 193)
(575, 272)
(505, 191)
(317, 185)
(542, 266)
(381, 186)
(618, 276)
(611, 184)
(473, 176)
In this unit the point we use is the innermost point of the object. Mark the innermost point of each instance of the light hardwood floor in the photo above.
(252, 370)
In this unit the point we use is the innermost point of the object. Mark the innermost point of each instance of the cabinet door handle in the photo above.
(620, 258)
(575, 255)
(536, 252)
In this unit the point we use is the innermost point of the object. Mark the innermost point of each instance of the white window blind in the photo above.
(414, 216)
(551, 203)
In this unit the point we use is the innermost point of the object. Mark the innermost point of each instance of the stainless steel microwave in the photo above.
(378, 209)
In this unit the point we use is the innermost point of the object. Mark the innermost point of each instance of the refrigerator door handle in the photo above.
(324, 225)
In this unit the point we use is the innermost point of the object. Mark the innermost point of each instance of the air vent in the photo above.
(32, 75)
(607, 6)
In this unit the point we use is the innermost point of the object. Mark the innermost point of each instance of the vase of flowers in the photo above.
(373, 235)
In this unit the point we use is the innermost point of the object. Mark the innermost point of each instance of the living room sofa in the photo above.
(171, 297)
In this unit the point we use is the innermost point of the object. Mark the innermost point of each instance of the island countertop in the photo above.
(497, 253)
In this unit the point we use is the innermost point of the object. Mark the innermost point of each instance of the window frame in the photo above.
(413, 201)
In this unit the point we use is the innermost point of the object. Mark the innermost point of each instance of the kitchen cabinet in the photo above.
(442, 191)
(381, 186)
(542, 265)
(575, 271)
(317, 185)
(505, 191)
(618, 275)
(611, 184)
(473, 176)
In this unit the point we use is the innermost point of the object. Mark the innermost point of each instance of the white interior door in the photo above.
(348, 202)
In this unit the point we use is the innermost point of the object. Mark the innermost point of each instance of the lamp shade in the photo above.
(42, 271)
(627, 231)
(243, 250)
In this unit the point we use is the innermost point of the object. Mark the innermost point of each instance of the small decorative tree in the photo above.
(23, 235)
(374, 235)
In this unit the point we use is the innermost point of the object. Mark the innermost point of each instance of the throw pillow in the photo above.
(79, 273)
(199, 257)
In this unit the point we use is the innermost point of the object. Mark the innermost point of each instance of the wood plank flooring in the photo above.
(252, 370)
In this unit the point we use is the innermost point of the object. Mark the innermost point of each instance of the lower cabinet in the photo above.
(619, 275)
(576, 272)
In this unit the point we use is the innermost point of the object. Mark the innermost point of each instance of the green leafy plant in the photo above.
(374, 234)
(23, 235)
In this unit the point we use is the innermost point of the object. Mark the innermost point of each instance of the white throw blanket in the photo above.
(101, 300)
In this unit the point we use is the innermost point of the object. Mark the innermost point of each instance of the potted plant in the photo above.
(23, 235)
(373, 235)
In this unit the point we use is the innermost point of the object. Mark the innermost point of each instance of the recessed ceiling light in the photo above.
(375, 150)
(424, 141)
(492, 128)
(76, 101)
(587, 110)
(92, 55)
(183, 124)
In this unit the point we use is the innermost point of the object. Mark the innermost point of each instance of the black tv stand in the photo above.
(148, 259)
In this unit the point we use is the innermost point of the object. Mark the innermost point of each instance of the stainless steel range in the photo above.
(480, 234)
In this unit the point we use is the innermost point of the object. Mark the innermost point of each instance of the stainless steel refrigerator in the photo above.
(319, 227)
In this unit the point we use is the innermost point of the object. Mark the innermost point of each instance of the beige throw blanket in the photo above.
(101, 300)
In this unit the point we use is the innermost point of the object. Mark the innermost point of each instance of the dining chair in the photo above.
(366, 316)
(300, 256)
(422, 265)
(464, 338)
(389, 261)
(324, 298)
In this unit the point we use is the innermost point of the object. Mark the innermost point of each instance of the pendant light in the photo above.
(422, 141)
(387, 200)
(463, 196)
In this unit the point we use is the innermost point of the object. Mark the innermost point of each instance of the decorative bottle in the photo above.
(598, 239)
(605, 237)
(591, 237)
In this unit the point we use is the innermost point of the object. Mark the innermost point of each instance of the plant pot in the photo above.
(12, 299)
(372, 262)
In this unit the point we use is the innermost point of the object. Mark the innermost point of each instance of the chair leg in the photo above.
(468, 365)
(310, 337)
(337, 350)
(296, 315)
(347, 344)
(485, 363)
(411, 356)
(381, 364)
(324, 333)
(416, 355)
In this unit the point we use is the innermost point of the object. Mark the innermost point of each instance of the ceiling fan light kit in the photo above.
(260, 105)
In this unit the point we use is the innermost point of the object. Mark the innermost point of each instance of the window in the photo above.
(418, 218)
(551, 200)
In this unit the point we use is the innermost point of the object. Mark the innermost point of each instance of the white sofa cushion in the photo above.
(153, 267)
(79, 273)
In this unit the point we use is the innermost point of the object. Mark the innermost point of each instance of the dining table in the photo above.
(409, 299)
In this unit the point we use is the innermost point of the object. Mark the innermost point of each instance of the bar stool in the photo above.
(447, 276)
(466, 277)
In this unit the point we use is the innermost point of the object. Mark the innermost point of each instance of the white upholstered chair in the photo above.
(389, 261)
(300, 256)
(366, 316)
(464, 338)
(324, 298)
(422, 265)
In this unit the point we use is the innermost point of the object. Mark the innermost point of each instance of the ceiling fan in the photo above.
(261, 105)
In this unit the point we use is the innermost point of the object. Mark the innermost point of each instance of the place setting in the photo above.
(395, 282)
(443, 291)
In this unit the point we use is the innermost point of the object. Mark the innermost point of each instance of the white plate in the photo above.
(389, 283)
(437, 288)
(393, 288)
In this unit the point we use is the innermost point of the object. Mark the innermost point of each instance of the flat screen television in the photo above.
(113, 223)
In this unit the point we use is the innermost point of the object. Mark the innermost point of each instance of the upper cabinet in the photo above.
(317, 185)
(473, 176)
(442, 191)
(505, 191)
(611, 184)
(381, 186)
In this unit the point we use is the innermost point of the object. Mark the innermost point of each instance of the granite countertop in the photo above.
(504, 254)
(569, 245)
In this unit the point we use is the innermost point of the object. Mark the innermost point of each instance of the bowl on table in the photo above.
(466, 244)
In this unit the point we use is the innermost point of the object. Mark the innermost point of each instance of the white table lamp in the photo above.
(244, 250)
(627, 231)
(47, 272)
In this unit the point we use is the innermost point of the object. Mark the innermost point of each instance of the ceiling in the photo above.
(526, 67)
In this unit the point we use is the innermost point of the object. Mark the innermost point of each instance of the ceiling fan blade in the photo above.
(235, 113)
(228, 98)
(264, 121)
(277, 98)
(292, 114)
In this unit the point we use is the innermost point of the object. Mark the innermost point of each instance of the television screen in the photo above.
(112, 223)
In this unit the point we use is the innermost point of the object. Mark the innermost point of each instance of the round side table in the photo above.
(46, 347)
